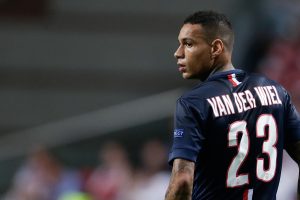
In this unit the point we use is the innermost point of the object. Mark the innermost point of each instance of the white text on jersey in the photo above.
(268, 95)
(223, 105)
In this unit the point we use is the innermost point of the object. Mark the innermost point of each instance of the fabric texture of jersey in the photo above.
(234, 126)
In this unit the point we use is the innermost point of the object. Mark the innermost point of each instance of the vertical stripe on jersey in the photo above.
(247, 195)
(233, 80)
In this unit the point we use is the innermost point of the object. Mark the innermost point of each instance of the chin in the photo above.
(185, 77)
(188, 76)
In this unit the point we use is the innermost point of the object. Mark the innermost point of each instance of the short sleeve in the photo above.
(292, 122)
(187, 137)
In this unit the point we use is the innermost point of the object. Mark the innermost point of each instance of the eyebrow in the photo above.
(185, 39)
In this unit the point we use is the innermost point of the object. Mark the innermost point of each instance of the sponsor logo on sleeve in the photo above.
(178, 133)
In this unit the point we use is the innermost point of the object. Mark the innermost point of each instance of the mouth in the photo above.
(181, 68)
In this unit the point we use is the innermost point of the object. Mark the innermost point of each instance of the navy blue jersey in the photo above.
(234, 126)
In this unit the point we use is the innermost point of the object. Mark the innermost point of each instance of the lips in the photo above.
(181, 68)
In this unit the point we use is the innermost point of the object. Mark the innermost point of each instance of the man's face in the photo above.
(194, 53)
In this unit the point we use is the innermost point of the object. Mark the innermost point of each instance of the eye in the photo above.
(188, 44)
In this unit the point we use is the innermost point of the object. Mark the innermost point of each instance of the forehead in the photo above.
(192, 31)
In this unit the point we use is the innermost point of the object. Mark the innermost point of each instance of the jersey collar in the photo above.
(224, 74)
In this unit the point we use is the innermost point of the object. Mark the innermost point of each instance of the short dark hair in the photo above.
(215, 25)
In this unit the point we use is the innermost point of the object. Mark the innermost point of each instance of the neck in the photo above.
(222, 63)
(221, 68)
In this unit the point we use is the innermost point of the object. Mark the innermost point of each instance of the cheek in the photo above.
(204, 54)
(199, 58)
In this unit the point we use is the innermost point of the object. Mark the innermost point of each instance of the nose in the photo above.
(179, 52)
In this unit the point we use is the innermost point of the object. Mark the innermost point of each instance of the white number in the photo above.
(268, 147)
(240, 127)
(235, 128)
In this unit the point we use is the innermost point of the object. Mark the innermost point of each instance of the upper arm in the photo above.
(292, 128)
(292, 131)
(294, 151)
(188, 136)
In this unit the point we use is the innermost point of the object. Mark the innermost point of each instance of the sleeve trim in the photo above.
(186, 154)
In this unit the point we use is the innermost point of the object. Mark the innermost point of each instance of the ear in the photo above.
(217, 47)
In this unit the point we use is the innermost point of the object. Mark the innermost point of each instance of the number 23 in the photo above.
(240, 127)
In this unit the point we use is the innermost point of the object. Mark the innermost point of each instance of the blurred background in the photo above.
(88, 89)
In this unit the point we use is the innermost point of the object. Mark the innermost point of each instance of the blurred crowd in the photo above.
(43, 177)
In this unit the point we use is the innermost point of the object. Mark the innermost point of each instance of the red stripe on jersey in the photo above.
(245, 195)
(230, 78)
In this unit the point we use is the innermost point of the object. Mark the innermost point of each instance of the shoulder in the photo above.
(201, 91)
(195, 102)
(262, 80)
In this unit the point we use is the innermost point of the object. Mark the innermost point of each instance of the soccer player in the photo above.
(231, 129)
